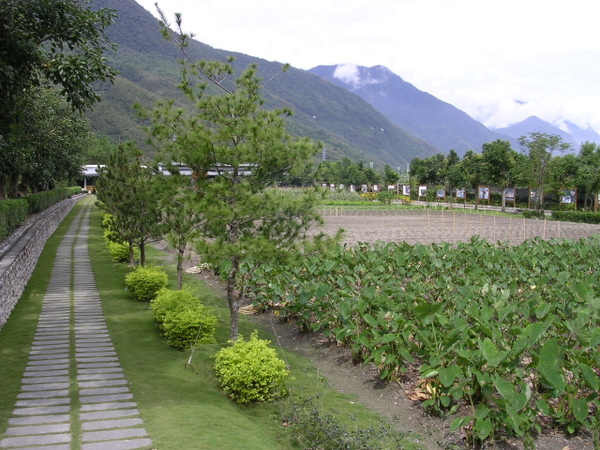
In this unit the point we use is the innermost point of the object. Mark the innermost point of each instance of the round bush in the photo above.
(251, 371)
(185, 328)
(169, 301)
(144, 283)
(118, 252)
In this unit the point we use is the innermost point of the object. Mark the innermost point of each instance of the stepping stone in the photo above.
(111, 414)
(36, 380)
(104, 391)
(98, 370)
(49, 373)
(100, 376)
(44, 387)
(37, 411)
(96, 359)
(43, 402)
(29, 441)
(102, 383)
(98, 365)
(50, 347)
(43, 362)
(108, 424)
(47, 367)
(87, 353)
(113, 434)
(44, 394)
(45, 356)
(108, 406)
(118, 445)
(105, 398)
(40, 429)
(37, 420)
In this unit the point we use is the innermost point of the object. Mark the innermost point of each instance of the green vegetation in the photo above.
(182, 319)
(506, 335)
(251, 371)
(51, 54)
(145, 283)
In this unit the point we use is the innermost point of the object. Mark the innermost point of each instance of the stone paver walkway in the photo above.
(74, 393)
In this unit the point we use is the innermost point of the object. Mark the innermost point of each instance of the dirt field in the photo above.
(450, 226)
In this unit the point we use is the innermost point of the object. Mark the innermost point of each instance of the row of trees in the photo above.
(542, 165)
(230, 219)
(51, 53)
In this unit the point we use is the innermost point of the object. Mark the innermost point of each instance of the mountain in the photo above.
(149, 68)
(435, 121)
(581, 135)
(569, 132)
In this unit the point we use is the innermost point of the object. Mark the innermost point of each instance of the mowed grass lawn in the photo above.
(182, 405)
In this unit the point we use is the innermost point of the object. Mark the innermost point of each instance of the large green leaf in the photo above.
(490, 352)
(580, 409)
(550, 364)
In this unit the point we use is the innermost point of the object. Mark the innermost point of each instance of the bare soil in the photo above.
(391, 400)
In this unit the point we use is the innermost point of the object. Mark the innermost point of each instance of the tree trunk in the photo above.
(503, 200)
(131, 254)
(232, 299)
(180, 254)
(142, 252)
(2, 188)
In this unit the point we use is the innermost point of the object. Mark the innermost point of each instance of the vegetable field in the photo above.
(504, 338)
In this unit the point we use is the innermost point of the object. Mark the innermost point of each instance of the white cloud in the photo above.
(479, 56)
(348, 73)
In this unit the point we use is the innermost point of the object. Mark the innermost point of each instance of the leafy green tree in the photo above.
(390, 176)
(498, 164)
(45, 146)
(126, 189)
(429, 170)
(588, 175)
(179, 217)
(57, 41)
(244, 219)
(540, 148)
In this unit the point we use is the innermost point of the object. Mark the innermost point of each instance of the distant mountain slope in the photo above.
(534, 124)
(568, 131)
(346, 124)
(437, 122)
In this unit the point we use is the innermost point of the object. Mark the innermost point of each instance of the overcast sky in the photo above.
(499, 61)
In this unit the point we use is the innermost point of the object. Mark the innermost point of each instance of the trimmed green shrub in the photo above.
(251, 371)
(118, 252)
(144, 283)
(188, 327)
(182, 319)
(169, 301)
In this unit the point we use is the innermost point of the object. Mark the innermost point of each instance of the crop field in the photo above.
(501, 332)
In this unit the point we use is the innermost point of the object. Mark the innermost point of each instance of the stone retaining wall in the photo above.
(22, 250)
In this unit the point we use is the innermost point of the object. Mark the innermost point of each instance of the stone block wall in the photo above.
(20, 253)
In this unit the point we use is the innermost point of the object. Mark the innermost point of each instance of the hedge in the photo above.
(12, 214)
(577, 216)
